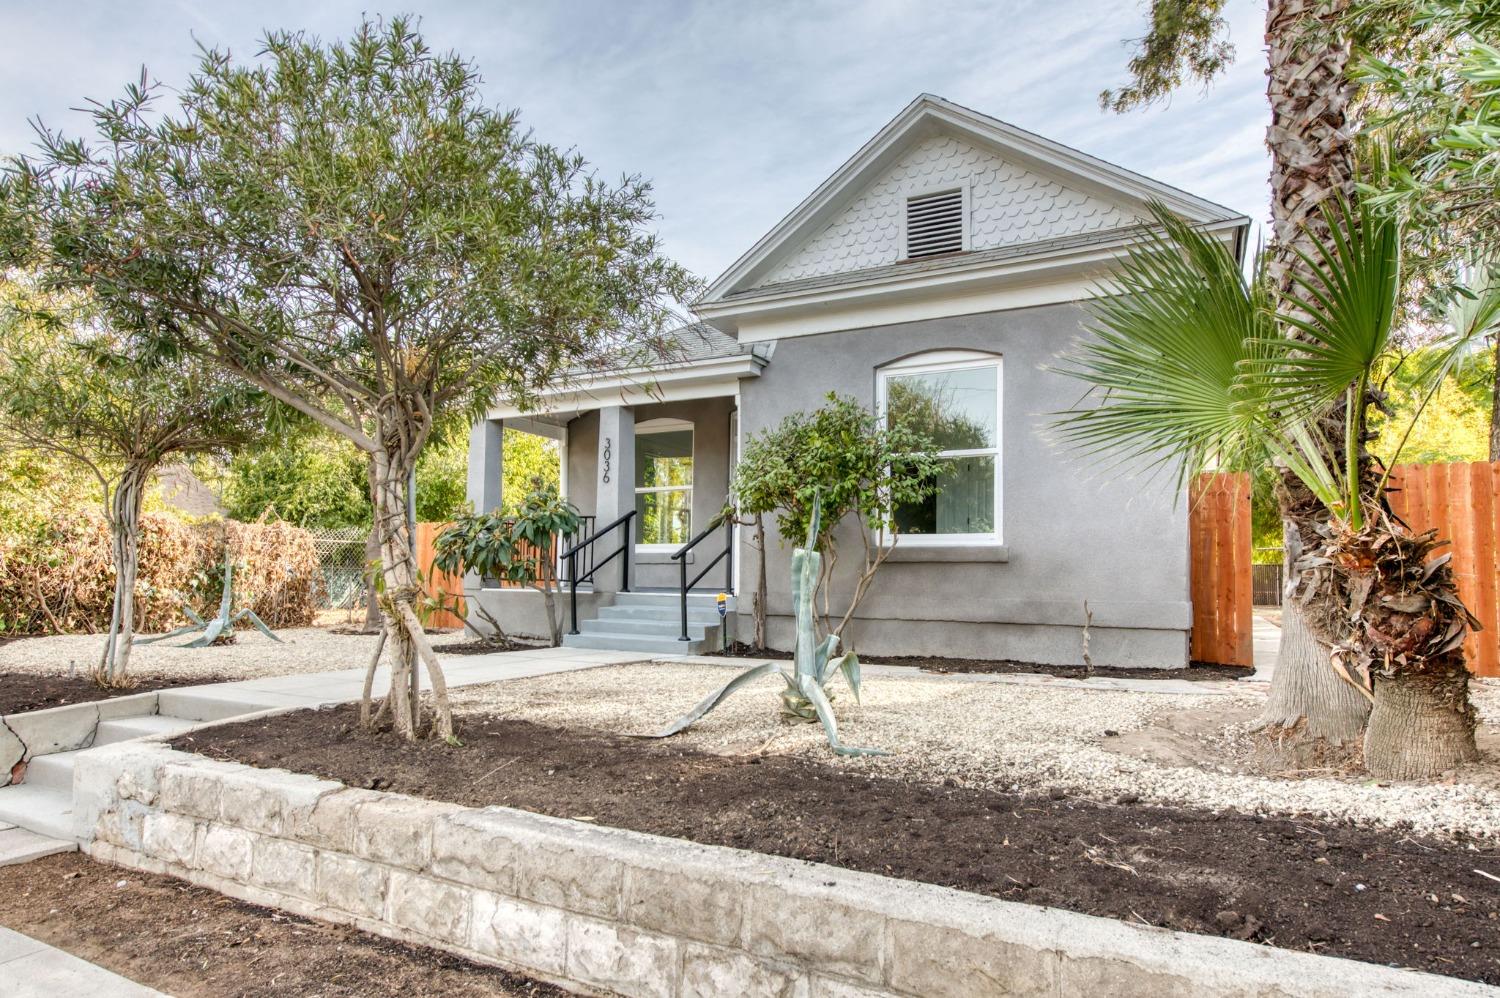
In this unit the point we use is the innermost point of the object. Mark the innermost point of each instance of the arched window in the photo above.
(954, 396)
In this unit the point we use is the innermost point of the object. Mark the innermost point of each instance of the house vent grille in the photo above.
(935, 223)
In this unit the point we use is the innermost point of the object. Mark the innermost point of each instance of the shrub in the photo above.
(58, 578)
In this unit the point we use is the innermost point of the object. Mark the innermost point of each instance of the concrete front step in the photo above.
(55, 771)
(695, 614)
(125, 728)
(650, 628)
(611, 641)
(669, 599)
(43, 810)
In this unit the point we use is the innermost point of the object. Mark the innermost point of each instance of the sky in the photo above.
(734, 111)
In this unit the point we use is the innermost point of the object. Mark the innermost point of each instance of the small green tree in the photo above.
(519, 548)
(838, 463)
(103, 399)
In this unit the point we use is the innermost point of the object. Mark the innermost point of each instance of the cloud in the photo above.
(735, 111)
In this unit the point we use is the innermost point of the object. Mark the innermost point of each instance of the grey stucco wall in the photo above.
(1072, 531)
(711, 454)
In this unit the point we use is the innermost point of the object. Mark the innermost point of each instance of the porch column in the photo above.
(486, 459)
(615, 491)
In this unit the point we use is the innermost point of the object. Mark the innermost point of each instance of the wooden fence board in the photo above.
(1219, 575)
(434, 582)
(1460, 501)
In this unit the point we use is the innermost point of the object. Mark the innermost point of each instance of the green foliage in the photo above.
(442, 481)
(1252, 395)
(1454, 425)
(350, 226)
(835, 462)
(1430, 73)
(494, 545)
(313, 480)
(527, 456)
(1185, 42)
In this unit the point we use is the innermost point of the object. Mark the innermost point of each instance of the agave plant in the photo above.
(1195, 374)
(806, 697)
(222, 624)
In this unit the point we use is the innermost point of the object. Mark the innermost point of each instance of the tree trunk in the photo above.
(372, 556)
(1422, 725)
(1311, 150)
(761, 589)
(125, 532)
(547, 575)
(406, 642)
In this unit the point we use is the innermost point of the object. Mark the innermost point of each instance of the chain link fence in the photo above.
(341, 555)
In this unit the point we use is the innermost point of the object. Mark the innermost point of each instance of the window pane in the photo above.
(956, 408)
(964, 502)
(664, 517)
(664, 459)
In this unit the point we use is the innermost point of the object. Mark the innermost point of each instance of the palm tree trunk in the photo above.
(1422, 725)
(1310, 142)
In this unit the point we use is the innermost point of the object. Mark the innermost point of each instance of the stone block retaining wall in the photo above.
(611, 911)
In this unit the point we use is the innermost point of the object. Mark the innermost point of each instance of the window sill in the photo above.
(906, 551)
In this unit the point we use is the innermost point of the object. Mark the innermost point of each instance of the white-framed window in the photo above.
(664, 483)
(954, 396)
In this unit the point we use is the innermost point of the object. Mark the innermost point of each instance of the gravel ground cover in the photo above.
(252, 655)
(1006, 737)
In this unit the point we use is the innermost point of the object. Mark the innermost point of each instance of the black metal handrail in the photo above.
(680, 556)
(623, 551)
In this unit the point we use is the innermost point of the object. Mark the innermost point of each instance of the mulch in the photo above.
(192, 942)
(20, 691)
(1316, 886)
(1195, 672)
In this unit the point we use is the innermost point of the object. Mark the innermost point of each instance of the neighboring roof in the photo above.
(1067, 193)
(185, 491)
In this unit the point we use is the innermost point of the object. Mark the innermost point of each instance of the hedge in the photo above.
(59, 579)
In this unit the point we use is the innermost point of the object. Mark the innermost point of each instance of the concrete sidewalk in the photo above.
(31, 969)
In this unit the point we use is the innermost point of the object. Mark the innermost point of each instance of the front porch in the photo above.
(650, 470)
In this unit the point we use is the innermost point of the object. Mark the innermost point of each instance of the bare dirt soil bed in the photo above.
(20, 691)
(1377, 895)
(195, 943)
(1196, 671)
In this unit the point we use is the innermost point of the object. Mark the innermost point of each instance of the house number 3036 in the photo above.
(608, 451)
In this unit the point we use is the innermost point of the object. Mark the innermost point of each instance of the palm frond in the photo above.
(1342, 309)
(1170, 340)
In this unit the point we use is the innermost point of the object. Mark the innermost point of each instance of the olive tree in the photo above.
(352, 229)
(72, 387)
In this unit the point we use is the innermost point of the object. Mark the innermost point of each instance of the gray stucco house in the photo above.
(950, 254)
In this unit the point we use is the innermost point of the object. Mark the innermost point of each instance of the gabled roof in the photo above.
(925, 117)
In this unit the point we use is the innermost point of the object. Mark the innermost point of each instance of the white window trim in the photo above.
(665, 425)
(938, 362)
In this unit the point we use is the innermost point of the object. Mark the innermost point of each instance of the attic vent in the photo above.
(935, 223)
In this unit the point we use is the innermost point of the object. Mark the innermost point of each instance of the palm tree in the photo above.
(1200, 368)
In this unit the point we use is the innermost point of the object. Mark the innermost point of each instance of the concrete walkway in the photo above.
(17, 845)
(31, 969)
(344, 685)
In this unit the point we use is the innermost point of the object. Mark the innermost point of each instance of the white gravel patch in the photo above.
(1006, 737)
(251, 656)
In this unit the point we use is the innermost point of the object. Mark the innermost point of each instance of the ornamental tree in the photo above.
(101, 399)
(845, 463)
(350, 228)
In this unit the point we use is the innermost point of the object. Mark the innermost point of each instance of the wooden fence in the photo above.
(1220, 575)
(435, 583)
(1461, 501)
